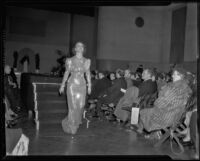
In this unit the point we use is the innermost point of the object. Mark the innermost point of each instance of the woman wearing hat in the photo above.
(171, 102)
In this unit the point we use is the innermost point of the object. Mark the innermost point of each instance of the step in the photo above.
(53, 110)
(46, 117)
(49, 122)
(53, 129)
(51, 105)
(47, 87)
(49, 95)
(59, 109)
(54, 103)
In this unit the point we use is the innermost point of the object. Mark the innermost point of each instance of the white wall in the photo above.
(120, 39)
(47, 52)
(56, 36)
(122, 43)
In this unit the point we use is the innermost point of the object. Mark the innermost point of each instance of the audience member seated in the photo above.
(160, 81)
(139, 69)
(168, 78)
(171, 68)
(11, 91)
(134, 93)
(135, 81)
(112, 95)
(171, 102)
(100, 85)
(96, 74)
(127, 76)
(187, 133)
(111, 77)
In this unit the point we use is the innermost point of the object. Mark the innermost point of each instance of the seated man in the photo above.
(112, 94)
(171, 102)
(133, 94)
(127, 76)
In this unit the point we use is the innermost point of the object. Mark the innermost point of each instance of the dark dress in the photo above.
(76, 92)
(99, 86)
(112, 94)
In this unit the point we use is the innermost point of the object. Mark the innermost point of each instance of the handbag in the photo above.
(134, 115)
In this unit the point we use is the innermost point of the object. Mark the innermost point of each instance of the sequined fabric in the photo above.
(76, 92)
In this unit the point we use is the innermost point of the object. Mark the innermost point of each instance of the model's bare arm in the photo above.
(66, 74)
(88, 75)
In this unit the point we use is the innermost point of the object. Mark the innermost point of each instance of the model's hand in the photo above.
(61, 90)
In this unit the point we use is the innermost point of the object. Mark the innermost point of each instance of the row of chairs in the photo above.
(170, 132)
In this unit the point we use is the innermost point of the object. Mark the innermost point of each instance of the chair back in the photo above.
(191, 102)
(180, 116)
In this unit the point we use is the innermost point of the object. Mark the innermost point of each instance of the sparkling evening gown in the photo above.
(76, 92)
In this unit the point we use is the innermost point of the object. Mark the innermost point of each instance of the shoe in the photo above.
(124, 123)
(187, 143)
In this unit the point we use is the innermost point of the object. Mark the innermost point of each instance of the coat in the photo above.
(170, 103)
(99, 86)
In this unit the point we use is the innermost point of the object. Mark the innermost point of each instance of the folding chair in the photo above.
(171, 133)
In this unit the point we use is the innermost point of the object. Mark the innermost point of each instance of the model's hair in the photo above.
(73, 49)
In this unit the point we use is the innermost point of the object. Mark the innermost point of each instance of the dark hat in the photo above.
(120, 71)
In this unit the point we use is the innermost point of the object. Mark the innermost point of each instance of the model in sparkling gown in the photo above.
(76, 67)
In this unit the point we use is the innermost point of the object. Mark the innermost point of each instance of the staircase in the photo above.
(50, 108)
